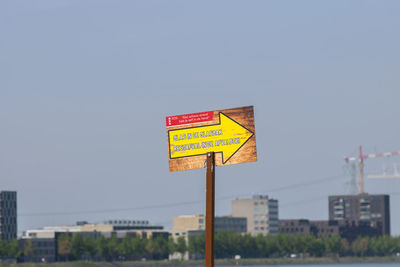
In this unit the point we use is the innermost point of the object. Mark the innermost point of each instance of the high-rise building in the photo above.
(8, 215)
(261, 213)
(361, 210)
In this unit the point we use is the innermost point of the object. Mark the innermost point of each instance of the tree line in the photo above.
(79, 246)
(84, 247)
(227, 245)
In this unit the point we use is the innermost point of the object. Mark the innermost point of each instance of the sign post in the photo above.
(210, 209)
(220, 137)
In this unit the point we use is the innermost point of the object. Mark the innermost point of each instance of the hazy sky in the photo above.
(85, 87)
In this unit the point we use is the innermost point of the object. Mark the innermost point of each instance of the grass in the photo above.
(221, 262)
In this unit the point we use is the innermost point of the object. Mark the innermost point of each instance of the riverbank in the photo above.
(218, 262)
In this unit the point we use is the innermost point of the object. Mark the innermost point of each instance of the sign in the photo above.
(230, 133)
(190, 118)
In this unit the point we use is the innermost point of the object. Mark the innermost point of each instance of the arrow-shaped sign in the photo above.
(226, 137)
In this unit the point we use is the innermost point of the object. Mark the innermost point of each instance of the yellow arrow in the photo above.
(226, 137)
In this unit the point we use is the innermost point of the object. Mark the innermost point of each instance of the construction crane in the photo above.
(361, 157)
(393, 175)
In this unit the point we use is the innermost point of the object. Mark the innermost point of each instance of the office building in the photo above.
(132, 225)
(303, 226)
(188, 222)
(230, 224)
(8, 215)
(364, 210)
(195, 225)
(261, 213)
(107, 228)
(45, 240)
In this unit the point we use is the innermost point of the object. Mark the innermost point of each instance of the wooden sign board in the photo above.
(230, 133)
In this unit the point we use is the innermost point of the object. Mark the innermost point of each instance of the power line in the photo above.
(168, 205)
(301, 202)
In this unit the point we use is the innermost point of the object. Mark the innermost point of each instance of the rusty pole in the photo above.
(210, 200)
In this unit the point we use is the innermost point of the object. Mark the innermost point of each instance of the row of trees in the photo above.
(226, 245)
(84, 247)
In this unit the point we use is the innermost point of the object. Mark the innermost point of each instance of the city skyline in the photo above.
(85, 88)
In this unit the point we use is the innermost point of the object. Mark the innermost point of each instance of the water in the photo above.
(392, 264)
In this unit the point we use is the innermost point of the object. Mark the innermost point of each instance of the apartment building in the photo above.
(261, 213)
(8, 215)
(361, 210)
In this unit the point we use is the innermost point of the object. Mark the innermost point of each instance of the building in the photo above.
(8, 215)
(188, 222)
(303, 226)
(195, 224)
(363, 210)
(324, 228)
(187, 226)
(294, 227)
(38, 249)
(107, 228)
(131, 225)
(261, 213)
(230, 224)
(45, 240)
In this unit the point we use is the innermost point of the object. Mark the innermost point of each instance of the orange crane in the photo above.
(361, 157)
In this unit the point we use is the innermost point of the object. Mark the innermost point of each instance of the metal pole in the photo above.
(210, 200)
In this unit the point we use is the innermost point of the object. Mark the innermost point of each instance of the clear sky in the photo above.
(85, 87)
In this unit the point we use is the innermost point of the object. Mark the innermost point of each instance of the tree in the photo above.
(346, 249)
(108, 248)
(317, 247)
(334, 244)
(64, 245)
(89, 246)
(102, 247)
(172, 245)
(113, 245)
(261, 245)
(149, 249)
(139, 247)
(248, 246)
(126, 247)
(181, 246)
(77, 246)
(160, 248)
(13, 250)
(29, 248)
(197, 244)
(3, 248)
(360, 246)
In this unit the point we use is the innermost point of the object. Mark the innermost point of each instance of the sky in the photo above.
(85, 87)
